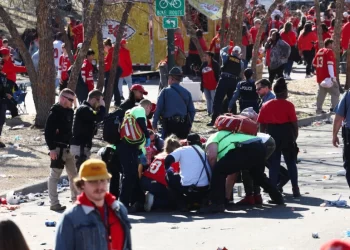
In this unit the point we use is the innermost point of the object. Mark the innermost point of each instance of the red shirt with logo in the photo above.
(87, 74)
(323, 58)
(63, 66)
(156, 170)
(277, 111)
(208, 78)
(117, 234)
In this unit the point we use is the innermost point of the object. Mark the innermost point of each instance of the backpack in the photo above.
(180, 58)
(111, 126)
(236, 124)
(131, 131)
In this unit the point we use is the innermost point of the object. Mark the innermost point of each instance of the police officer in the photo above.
(246, 92)
(87, 116)
(342, 120)
(175, 106)
(58, 133)
(5, 96)
(231, 69)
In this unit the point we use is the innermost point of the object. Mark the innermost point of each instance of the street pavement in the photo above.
(151, 86)
(266, 227)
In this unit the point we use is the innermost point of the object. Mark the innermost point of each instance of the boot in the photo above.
(276, 197)
(248, 200)
(212, 209)
(296, 192)
(258, 199)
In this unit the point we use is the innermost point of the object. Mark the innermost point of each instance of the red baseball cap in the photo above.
(4, 51)
(153, 108)
(123, 41)
(140, 88)
(336, 244)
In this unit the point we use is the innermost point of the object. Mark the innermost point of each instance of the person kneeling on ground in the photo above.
(153, 180)
(230, 153)
(192, 184)
(98, 220)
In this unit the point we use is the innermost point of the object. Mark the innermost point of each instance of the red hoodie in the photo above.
(10, 70)
(78, 31)
(290, 38)
(179, 41)
(108, 59)
(306, 42)
(117, 235)
(125, 62)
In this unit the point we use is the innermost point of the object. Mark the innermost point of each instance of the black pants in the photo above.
(226, 87)
(113, 165)
(217, 57)
(185, 195)
(309, 57)
(275, 72)
(246, 104)
(160, 192)
(63, 85)
(180, 129)
(249, 157)
(117, 99)
(346, 152)
(131, 191)
(3, 109)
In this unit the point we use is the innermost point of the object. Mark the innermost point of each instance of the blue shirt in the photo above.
(344, 110)
(170, 103)
(269, 96)
(237, 94)
(224, 56)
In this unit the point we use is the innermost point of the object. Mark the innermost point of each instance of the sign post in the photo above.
(170, 10)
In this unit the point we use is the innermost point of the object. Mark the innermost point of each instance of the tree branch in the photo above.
(318, 23)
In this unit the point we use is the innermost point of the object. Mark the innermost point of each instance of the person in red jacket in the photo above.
(254, 31)
(215, 45)
(9, 68)
(193, 60)
(276, 23)
(345, 36)
(63, 66)
(290, 37)
(78, 31)
(306, 45)
(178, 39)
(126, 64)
(87, 70)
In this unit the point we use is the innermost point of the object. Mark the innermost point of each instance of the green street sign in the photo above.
(170, 22)
(170, 7)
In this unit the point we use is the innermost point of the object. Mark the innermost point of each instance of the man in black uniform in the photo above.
(58, 133)
(231, 69)
(5, 96)
(246, 93)
(87, 116)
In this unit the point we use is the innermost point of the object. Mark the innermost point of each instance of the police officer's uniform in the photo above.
(4, 89)
(230, 75)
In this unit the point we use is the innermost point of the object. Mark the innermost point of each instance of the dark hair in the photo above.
(94, 94)
(277, 17)
(327, 13)
(307, 29)
(11, 236)
(90, 52)
(333, 22)
(248, 73)
(199, 33)
(264, 83)
(5, 41)
(324, 27)
(287, 27)
(58, 36)
(107, 42)
(280, 88)
(328, 41)
(244, 30)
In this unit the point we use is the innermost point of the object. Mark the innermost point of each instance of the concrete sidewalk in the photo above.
(267, 227)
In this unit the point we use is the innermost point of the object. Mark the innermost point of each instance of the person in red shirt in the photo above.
(311, 14)
(215, 45)
(277, 117)
(324, 63)
(9, 68)
(345, 36)
(290, 37)
(126, 64)
(78, 31)
(247, 46)
(254, 31)
(87, 70)
(276, 23)
(328, 16)
(108, 224)
(178, 39)
(153, 180)
(63, 66)
(306, 45)
(210, 72)
(194, 61)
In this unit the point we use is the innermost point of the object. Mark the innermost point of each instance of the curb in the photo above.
(38, 187)
(308, 121)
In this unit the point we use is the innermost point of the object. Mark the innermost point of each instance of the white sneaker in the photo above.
(288, 77)
(149, 202)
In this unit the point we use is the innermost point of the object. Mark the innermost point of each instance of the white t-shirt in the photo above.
(191, 166)
(57, 51)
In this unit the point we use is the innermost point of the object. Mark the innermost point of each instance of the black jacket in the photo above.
(127, 104)
(85, 122)
(5, 87)
(58, 128)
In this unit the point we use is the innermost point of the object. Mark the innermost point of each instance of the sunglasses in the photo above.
(69, 99)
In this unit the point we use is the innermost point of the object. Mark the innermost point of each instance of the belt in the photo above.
(228, 75)
(176, 118)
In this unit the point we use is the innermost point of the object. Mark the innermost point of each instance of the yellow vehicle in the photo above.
(145, 35)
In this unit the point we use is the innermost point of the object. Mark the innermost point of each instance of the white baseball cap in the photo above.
(79, 45)
(237, 49)
(346, 14)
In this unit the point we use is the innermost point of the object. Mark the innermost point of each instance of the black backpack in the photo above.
(111, 125)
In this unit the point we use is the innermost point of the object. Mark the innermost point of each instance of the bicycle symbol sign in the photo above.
(170, 7)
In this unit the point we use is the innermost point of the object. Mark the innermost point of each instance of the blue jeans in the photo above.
(288, 67)
(128, 81)
(209, 97)
(160, 192)
(275, 163)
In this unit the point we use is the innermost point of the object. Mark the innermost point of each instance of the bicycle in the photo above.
(173, 3)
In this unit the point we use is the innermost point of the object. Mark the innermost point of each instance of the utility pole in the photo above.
(171, 48)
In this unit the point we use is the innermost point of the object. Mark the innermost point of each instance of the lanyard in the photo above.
(106, 222)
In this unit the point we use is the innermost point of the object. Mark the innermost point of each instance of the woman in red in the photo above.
(290, 37)
(306, 46)
(193, 59)
(154, 181)
(247, 46)
(210, 71)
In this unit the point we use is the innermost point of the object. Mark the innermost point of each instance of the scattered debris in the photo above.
(341, 172)
(17, 127)
(50, 223)
(337, 203)
(307, 193)
(347, 233)
(8, 156)
(315, 235)
(332, 153)
(10, 207)
(12, 198)
(3, 201)
(174, 227)
(40, 203)
(37, 138)
(205, 227)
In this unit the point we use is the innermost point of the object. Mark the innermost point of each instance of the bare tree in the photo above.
(59, 17)
(89, 32)
(101, 62)
(318, 23)
(260, 32)
(113, 71)
(237, 38)
(337, 32)
(223, 23)
(231, 31)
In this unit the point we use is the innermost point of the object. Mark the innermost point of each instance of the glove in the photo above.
(148, 142)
